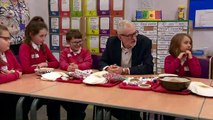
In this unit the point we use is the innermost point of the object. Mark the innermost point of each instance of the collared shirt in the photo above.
(126, 56)
(3, 57)
(77, 52)
(36, 47)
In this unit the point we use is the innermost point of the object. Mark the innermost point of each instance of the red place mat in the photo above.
(109, 84)
(134, 87)
(78, 81)
(158, 88)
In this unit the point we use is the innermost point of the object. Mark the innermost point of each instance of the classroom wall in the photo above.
(202, 38)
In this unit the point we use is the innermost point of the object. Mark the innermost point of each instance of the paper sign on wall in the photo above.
(90, 7)
(92, 25)
(93, 43)
(76, 8)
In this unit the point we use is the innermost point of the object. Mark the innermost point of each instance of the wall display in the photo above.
(64, 7)
(104, 25)
(103, 7)
(103, 40)
(54, 24)
(76, 8)
(54, 42)
(93, 18)
(53, 8)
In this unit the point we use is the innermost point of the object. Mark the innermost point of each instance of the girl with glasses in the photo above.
(10, 70)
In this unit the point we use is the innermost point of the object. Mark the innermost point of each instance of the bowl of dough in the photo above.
(175, 83)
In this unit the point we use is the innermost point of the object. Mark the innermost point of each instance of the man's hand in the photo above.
(115, 69)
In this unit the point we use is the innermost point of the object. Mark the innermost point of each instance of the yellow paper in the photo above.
(90, 7)
(92, 25)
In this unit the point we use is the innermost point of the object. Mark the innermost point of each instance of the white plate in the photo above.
(167, 75)
(201, 89)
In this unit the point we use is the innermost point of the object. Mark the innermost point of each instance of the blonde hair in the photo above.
(124, 24)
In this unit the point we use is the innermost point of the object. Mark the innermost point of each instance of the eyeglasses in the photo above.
(77, 42)
(131, 35)
(5, 38)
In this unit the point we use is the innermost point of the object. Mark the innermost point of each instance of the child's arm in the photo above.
(171, 64)
(8, 77)
(194, 67)
(25, 56)
(87, 62)
(64, 60)
(51, 60)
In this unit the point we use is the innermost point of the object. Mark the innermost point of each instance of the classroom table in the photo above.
(187, 106)
(206, 112)
(27, 84)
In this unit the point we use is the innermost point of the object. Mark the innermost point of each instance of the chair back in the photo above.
(206, 69)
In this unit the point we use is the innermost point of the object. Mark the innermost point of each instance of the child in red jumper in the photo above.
(71, 58)
(34, 52)
(180, 61)
(75, 57)
(10, 69)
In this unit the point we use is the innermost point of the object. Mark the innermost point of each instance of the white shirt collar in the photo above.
(77, 52)
(35, 46)
(3, 57)
(123, 48)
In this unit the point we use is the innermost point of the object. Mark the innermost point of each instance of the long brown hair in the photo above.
(3, 28)
(174, 48)
(33, 28)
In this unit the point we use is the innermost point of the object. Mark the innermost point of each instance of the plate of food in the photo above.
(40, 71)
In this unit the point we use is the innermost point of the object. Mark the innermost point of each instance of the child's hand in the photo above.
(180, 56)
(20, 73)
(43, 64)
(189, 54)
(72, 67)
(5, 71)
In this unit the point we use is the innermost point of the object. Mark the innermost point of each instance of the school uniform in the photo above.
(82, 58)
(7, 101)
(184, 67)
(31, 55)
(9, 63)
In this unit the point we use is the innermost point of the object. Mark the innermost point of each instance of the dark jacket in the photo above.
(141, 55)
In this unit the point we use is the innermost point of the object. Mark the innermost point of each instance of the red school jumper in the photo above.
(83, 59)
(12, 64)
(190, 68)
(29, 57)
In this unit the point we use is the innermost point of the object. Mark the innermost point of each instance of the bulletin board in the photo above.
(204, 9)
